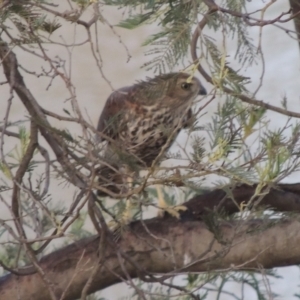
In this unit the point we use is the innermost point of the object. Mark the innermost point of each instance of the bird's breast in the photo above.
(145, 135)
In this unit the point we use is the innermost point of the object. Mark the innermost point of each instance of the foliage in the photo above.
(238, 145)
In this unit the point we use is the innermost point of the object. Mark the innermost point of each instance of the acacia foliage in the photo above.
(236, 146)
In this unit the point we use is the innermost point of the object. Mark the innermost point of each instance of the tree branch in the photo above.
(15, 79)
(282, 197)
(162, 246)
(170, 250)
(213, 8)
(295, 5)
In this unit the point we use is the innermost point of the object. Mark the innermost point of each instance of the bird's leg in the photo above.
(165, 208)
(117, 227)
(126, 217)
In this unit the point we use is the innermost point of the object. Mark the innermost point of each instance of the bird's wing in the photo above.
(189, 120)
(117, 104)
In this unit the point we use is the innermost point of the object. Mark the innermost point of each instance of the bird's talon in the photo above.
(173, 211)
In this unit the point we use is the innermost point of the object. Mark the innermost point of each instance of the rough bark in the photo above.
(282, 197)
(168, 246)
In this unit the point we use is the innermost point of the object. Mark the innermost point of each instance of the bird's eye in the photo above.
(185, 85)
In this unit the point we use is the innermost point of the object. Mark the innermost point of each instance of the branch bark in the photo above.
(170, 252)
(162, 246)
(295, 5)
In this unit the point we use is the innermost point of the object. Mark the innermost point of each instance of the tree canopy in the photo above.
(233, 168)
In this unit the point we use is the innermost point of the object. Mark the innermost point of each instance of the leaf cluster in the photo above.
(28, 19)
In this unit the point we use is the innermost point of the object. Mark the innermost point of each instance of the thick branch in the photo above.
(170, 249)
(282, 197)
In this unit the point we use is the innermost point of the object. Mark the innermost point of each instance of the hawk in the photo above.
(140, 123)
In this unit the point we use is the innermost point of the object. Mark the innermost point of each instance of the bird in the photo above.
(139, 123)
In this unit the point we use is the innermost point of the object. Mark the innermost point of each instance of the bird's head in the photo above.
(172, 89)
(182, 88)
(187, 87)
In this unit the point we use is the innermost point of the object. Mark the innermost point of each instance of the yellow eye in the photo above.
(186, 86)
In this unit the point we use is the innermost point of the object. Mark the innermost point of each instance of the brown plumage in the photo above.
(140, 119)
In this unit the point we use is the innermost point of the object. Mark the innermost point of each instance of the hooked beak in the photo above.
(202, 91)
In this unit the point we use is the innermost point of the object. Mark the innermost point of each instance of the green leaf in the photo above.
(50, 27)
(67, 112)
(135, 21)
(5, 170)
